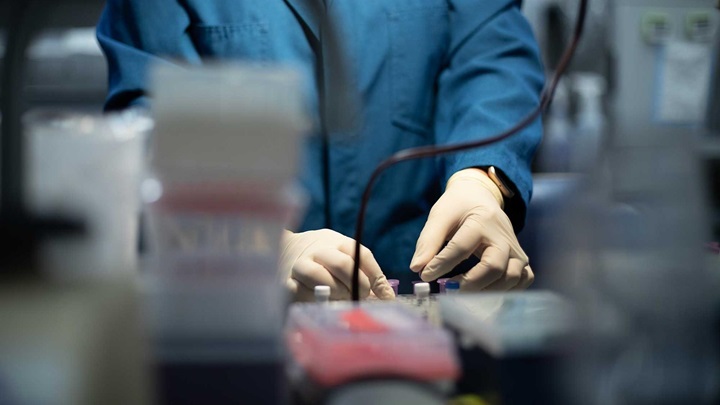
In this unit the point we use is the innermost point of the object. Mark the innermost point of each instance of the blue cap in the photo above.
(452, 285)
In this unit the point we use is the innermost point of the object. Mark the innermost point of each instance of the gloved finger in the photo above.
(492, 267)
(299, 292)
(527, 278)
(431, 239)
(512, 277)
(340, 265)
(293, 286)
(463, 244)
(516, 250)
(310, 274)
(371, 270)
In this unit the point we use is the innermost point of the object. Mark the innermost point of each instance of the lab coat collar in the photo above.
(309, 12)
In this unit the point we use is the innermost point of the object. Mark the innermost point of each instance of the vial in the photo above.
(422, 292)
(322, 293)
(416, 282)
(441, 283)
(422, 298)
(452, 287)
(395, 284)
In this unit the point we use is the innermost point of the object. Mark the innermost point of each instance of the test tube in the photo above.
(395, 284)
(452, 287)
(322, 293)
(441, 282)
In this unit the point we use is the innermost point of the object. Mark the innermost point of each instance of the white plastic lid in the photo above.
(322, 291)
(422, 288)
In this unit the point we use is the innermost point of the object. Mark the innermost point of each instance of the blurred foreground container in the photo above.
(71, 332)
(88, 168)
(76, 343)
(224, 154)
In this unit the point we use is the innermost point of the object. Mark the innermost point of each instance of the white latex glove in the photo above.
(470, 216)
(325, 257)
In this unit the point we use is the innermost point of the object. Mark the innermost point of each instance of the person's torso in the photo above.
(395, 50)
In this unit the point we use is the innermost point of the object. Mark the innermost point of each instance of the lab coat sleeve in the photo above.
(492, 79)
(135, 35)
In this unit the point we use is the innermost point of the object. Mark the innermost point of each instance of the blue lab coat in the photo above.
(426, 71)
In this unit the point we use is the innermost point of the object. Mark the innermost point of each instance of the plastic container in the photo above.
(513, 324)
(221, 197)
(441, 283)
(88, 168)
(222, 229)
(395, 284)
(422, 298)
(342, 342)
(224, 168)
(421, 290)
(217, 205)
(452, 287)
(248, 126)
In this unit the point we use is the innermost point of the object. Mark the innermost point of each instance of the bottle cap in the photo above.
(422, 288)
(441, 282)
(322, 291)
(395, 284)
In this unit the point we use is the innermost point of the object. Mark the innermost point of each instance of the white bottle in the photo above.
(322, 293)
(422, 298)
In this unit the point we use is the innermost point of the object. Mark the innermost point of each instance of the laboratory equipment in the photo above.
(215, 298)
(452, 287)
(342, 343)
(511, 324)
(76, 342)
(421, 291)
(322, 293)
(395, 284)
(385, 393)
(660, 83)
(87, 167)
(22, 20)
(441, 284)
(512, 344)
(62, 342)
(646, 206)
(422, 298)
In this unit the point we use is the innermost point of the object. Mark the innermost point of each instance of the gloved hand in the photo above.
(470, 215)
(325, 257)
